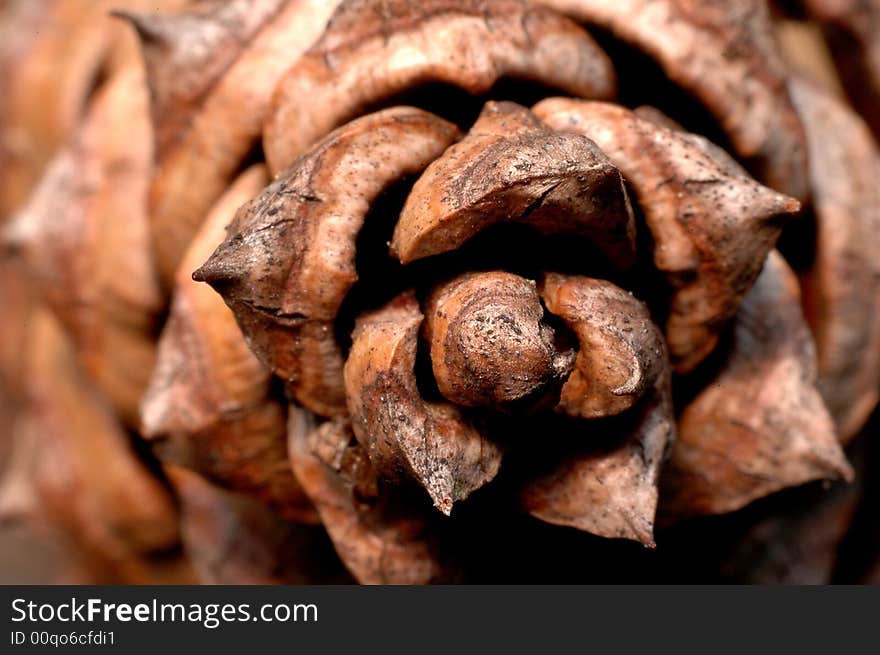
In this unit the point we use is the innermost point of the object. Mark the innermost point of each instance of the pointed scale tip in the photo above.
(777, 207)
(17, 236)
(791, 205)
(831, 463)
(641, 530)
(444, 505)
(153, 412)
(845, 470)
(202, 273)
(216, 271)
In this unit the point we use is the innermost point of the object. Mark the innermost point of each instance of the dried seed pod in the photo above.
(289, 259)
(760, 426)
(712, 224)
(233, 539)
(205, 136)
(379, 538)
(621, 354)
(209, 404)
(842, 291)
(84, 239)
(403, 433)
(512, 167)
(610, 491)
(489, 344)
(725, 54)
(82, 471)
(374, 49)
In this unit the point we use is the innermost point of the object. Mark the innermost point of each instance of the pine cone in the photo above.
(469, 270)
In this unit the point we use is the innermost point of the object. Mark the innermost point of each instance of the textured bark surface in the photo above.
(403, 434)
(760, 425)
(381, 539)
(374, 49)
(289, 259)
(205, 135)
(208, 406)
(621, 353)
(724, 53)
(842, 291)
(607, 483)
(712, 224)
(512, 168)
(489, 344)
(84, 240)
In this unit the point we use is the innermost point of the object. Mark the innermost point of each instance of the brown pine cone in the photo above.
(455, 258)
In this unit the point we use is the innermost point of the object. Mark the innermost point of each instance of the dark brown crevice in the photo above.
(145, 451)
(253, 157)
(685, 387)
(380, 276)
(460, 107)
(641, 81)
(511, 247)
(788, 8)
(645, 281)
(798, 240)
